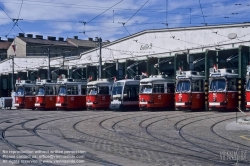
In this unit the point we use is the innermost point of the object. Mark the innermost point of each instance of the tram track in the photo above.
(212, 129)
(86, 156)
(125, 135)
(195, 144)
(129, 145)
(214, 160)
(181, 135)
(33, 131)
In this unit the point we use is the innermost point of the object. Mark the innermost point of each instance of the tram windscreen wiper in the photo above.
(248, 85)
(183, 86)
(20, 91)
(62, 91)
(146, 89)
(218, 85)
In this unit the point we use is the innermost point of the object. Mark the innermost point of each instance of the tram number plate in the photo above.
(179, 103)
(89, 103)
(141, 102)
(16, 105)
(37, 104)
(214, 103)
(58, 104)
(248, 103)
(116, 102)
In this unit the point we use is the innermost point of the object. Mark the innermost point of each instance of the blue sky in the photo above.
(105, 18)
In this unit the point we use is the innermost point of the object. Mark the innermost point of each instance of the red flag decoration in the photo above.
(60, 77)
(126, 76)
(179, 68)
(90, 78)
(114, 78)
(215, 67)
(14, 47)
(19, 80)
(144, 74)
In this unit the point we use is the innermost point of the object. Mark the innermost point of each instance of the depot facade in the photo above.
(151, 51)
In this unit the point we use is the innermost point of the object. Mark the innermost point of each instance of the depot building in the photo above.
(151, 51)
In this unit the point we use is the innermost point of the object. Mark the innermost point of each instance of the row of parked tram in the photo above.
(185, 92)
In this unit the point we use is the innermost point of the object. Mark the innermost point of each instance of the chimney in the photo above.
(90, 39)
(10, 39)
(30, 35)
(21, 35)
(51, 38)
(39, 36)
(75, 37)
(61, 39)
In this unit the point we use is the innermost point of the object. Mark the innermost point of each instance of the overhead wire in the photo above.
(104, 11)
(20, 10)
(136, 12)
(39, 3)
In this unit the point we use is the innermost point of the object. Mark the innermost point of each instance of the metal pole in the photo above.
(147, 65)
(158, 70)
(100, 59)
(206, 79)
(13, 84)
(48, 76)
(239, 76)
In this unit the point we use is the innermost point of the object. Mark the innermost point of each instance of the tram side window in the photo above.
(158, 88)
(231, 85)
(197, 86)
(50, 90)
(131, 93)
(103, 90)
(28, 91)
(83, 90)
(170, 88)
(72, 90)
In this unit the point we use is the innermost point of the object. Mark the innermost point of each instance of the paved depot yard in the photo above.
(122, 138)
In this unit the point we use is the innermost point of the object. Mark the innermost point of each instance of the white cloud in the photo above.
(152, 15)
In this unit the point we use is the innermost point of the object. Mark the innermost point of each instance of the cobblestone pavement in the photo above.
(123, 138)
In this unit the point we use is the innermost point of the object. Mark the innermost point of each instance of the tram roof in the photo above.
(156, 78)
(194, 75)
(230, 73)
(101, 82)
(130, 81)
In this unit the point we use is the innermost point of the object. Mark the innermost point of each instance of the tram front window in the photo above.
(20, 91)
(117, 88)
(62, 91)
(218, 85)
(92, 91)
(146, 89)
(183, 86)
(248, 85)
(41, 91)
(28, 90)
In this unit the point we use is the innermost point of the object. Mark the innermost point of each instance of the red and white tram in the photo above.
(156, 92)
(45, 94)
(71, 94)
(25, 94)
(223, 92)
(189, 92)
(247, 88)
(98, 94)
(125, 94)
